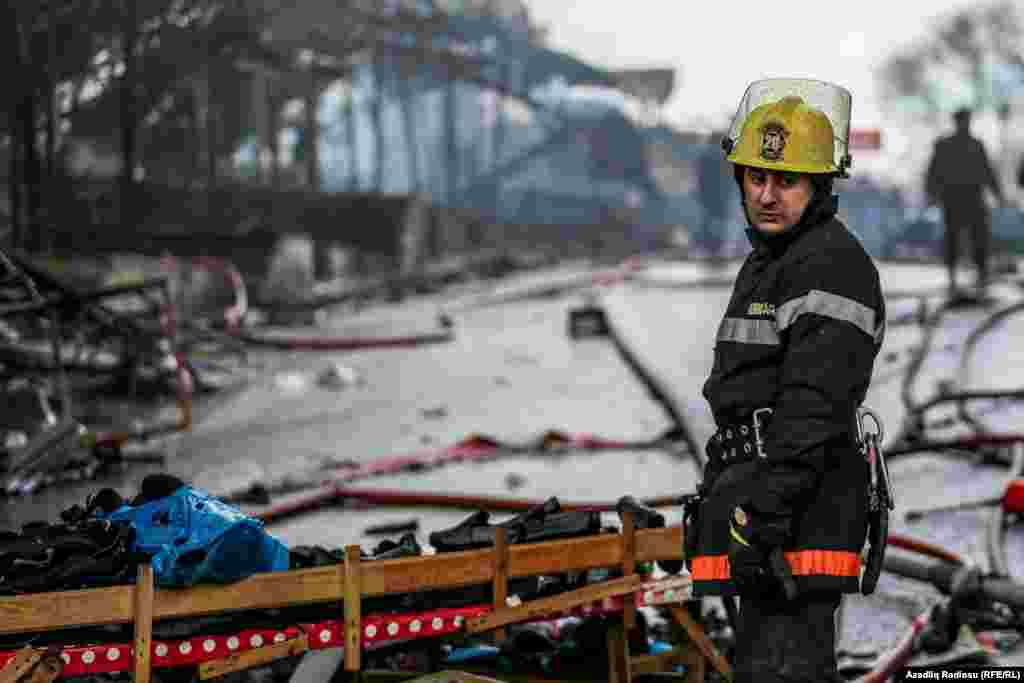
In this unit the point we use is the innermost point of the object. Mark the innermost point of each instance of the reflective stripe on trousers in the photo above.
(801, 562)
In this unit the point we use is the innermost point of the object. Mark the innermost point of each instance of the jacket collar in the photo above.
(821, 209)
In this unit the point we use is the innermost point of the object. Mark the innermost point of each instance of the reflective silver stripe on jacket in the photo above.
(831, 306)
(766, 331)
(747, 331)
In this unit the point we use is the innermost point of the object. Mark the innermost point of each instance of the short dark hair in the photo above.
(962, 114)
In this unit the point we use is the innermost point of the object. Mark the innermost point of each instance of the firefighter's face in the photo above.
(775, 200)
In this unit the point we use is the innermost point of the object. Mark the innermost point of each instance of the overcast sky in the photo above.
(717, 48)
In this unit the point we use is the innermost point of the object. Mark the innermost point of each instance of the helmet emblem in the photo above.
(773, 141)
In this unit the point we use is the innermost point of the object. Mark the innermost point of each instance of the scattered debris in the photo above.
(407, 526)
(338, 376)
(588, 321)
(520, 358)
(435, 413)
(291, 382)
(514, 481)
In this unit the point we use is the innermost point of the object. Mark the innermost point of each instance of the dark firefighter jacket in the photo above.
(800, 335)
(959, 171)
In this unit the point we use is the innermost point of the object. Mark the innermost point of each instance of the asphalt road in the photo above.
(512, 372)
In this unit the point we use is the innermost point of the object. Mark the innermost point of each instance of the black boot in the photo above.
(461, 536)
(389, 550)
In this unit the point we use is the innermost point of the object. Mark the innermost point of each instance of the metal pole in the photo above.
(378, 127)
(128, 40)
(312, 131)
(1006, 162)
(52, 126)
(451, 143)
(351, 133)
(412, 152)
(16, 166)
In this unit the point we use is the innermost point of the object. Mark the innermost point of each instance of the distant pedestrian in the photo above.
(957, 175)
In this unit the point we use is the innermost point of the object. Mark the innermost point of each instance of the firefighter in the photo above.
(784, 504)
(957, 175)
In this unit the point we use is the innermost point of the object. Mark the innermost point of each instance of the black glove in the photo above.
(714, 465)
(755, 558)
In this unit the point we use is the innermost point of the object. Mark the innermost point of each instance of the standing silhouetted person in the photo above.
(956, 179)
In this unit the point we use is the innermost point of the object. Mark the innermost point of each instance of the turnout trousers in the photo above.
(787, 642)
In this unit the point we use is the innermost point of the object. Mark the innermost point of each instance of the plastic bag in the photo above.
(193, 538)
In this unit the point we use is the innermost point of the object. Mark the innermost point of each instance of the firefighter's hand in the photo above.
(751, 543)
(714, 465)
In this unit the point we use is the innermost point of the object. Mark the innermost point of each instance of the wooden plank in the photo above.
(628, 566)
(483, 674)
(618, 655)
(500, 576)
(454, 677)
(63, 609)
(451, 570)
(46, 671)
(260, 591)
(19, 665)
(353, 609)
(91, 607)
(681, 588)
(143, 622)
(253, 658)
(553, 604)
(522, 677)
(659, 663)
(701, 640)
(659, 544)
(696, 666)
(95, 606)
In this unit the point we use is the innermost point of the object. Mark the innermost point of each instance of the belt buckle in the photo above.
(758, 439)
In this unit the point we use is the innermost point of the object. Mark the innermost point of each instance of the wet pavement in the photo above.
(512, 372)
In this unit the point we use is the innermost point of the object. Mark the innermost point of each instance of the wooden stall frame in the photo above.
(349, 582)
(628, 566)
(143, 609)
(500, 590)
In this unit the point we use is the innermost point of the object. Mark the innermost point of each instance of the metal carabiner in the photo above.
(870, 445)
(879, 428)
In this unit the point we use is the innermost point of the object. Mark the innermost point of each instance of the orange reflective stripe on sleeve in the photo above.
(801, 563)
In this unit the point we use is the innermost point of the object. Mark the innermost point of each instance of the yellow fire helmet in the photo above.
(792, 124)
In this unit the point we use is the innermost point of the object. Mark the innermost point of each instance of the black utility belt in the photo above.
(740, 441)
